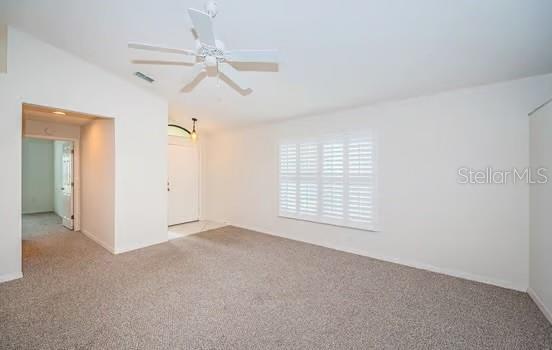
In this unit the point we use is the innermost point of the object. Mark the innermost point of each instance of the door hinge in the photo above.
(72, 217)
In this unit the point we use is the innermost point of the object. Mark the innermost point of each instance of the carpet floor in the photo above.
(231, 288)
(34, 225)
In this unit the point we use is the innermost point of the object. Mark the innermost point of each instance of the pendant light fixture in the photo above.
(180, 131)
(193, 133)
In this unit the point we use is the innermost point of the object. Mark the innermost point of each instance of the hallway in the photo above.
(40, 224)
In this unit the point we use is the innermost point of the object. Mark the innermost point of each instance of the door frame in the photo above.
(76, 173)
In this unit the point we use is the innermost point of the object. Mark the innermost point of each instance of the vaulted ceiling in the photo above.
(333, 54)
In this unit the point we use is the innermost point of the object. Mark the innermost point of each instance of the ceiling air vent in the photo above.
(144, 77)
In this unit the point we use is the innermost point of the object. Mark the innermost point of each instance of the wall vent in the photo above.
(144, 77)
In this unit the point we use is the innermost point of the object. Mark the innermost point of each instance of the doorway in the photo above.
(184, 185)
(70, 171)
(48, 186)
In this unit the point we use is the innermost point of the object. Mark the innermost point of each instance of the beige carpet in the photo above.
(235, 289)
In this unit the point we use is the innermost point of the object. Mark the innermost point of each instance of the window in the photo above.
(177, 130)
(330, 180)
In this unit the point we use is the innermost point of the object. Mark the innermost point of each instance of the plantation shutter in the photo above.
(330, 180)
(288, 178)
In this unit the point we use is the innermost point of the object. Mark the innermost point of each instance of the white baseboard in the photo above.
(10, 276)
(139, 246)
(414, 264)
(114, 250)
(99, 241)
(547, 313)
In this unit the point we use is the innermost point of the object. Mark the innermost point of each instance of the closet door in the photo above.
(183, 183)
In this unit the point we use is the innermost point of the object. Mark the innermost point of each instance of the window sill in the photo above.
(352, 227)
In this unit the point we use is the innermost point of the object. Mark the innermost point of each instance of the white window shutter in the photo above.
(308, 179)
(333, 191)
(361, 181)
(288, 179)
(330, 180)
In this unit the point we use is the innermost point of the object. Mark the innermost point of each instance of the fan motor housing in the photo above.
(210, 61)
(211, 54)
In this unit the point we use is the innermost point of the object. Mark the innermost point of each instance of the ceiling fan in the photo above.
(210, 53)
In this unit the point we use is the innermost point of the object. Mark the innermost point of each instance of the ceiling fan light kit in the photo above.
(210, 53)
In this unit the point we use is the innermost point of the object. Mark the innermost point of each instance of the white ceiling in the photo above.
(333, 53)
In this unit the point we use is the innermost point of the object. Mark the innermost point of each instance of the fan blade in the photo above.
(201, 74)
(163, 63)
(203, 25)
(148, 47)
(268, 56)
(233, 75)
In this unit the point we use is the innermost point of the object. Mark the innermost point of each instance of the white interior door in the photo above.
(183, 184)
(67, 185)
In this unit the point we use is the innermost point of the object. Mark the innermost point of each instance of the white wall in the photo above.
(3, 48)
(43, 75)
(37, 176)
(98, 182)
(541, 210)
(430, 221)
(202, 142)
